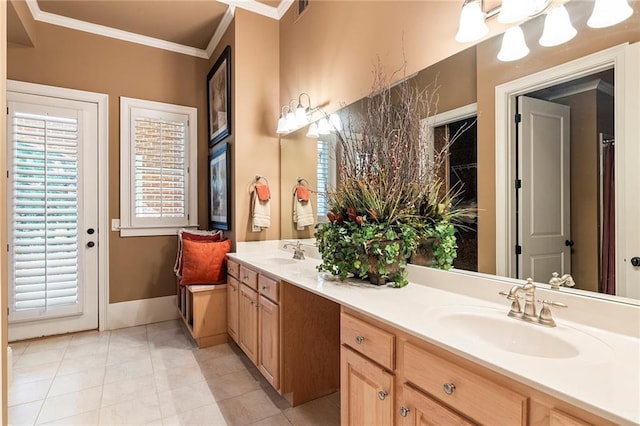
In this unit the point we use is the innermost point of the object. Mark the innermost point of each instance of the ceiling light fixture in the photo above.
(557, 28)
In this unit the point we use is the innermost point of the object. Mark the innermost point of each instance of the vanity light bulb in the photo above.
(313, 131)
(609, 12)
(301, 115)
(291, 121)
(557, 28)
(282, 126)
(323, 127)
(472, 26)
(513, 45)
(334, 119)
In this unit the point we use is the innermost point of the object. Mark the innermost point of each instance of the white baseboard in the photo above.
(140, 312)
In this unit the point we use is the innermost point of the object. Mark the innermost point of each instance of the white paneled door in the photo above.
(52, 215)
(544, 199)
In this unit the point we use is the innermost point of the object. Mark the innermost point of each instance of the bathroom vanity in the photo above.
(439, 351)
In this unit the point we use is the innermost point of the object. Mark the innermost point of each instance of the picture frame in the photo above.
(219, 98)
(220, 187)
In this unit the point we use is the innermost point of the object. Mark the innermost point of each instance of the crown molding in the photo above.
(253, 6)
(220, 30)
(102, 30)
(283, 7)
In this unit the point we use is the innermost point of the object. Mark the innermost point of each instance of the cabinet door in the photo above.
(417, 409)
(268, 323)
(366, 391)
(232, 307)
(248, 322)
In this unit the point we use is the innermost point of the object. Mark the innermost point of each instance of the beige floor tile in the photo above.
(208, 354)
(172, 340)
(321, 412)
(186, 398)
(35, 373)
(139, 387)
(232, 385)
(168, 358)
(38, 358)
(24, 414)
(85, 362)
(334, 398)
(76, 381)
(47, 344)
(157, 327)
(21, 393)
(70, 404)
(248, 408)
(128, 370)
(127, 341)
(209, 415)
(132, 412)
(177, 377)
(221, 366)
(277, 420)
(86, 337)
(18, 348)
(90, 418)
(83, 349)
(129, 331)
(123, 355)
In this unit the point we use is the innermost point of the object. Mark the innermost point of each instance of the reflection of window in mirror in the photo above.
(326, 176)
(460, 171)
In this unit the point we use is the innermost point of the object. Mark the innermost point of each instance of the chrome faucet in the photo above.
(298, 252)
(556, 281)
(529, 312)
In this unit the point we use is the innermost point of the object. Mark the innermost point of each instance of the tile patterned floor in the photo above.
(147, 375)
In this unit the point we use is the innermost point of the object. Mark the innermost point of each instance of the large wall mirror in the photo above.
(551, 161)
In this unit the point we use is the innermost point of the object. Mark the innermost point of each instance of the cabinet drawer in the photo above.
(233, 269)
(249, 277)
(369, 340)
(478, 398)
(269, 288)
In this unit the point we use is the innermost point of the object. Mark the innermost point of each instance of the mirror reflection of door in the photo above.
(565, 202)
(460, 171)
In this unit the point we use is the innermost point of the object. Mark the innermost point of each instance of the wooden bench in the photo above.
(203, 308)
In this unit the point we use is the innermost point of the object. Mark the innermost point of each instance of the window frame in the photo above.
(130, 226)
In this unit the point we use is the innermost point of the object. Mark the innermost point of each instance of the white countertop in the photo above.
(605, 381)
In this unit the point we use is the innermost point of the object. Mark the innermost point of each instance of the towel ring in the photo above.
(258, 178)
(302, 181)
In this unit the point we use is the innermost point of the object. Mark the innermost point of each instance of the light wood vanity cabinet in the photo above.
(433, 386)
(269, 341)
(248, 322)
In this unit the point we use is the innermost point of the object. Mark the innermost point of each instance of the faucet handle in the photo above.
(545, 317)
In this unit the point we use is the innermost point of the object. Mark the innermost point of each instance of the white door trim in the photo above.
(454, 115)
(505, 132)
(102, 100)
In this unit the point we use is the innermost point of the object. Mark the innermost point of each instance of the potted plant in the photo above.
(389, 197)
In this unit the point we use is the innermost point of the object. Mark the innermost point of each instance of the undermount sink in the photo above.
(278, 261)
(494, 328)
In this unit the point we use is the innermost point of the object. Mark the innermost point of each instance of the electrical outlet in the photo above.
(115, 224)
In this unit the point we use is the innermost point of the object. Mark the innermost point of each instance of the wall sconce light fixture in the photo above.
(557, 26)
(297, 115)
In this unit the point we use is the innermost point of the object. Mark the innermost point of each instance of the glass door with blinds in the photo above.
(52, 215)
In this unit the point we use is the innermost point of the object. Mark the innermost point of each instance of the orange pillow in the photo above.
(204, 262)
(194, 235)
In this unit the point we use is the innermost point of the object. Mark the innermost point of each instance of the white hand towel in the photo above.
(302, 213)
(260, 213)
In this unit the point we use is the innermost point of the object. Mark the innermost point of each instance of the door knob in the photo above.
(90, 231)
(568, 243)
(91, 244)
(635, 261)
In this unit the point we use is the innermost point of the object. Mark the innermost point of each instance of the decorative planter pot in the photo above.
(393, 269)
(423, 255)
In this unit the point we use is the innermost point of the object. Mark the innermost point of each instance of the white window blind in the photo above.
(158, 167)
(44, 210)
(326, 176)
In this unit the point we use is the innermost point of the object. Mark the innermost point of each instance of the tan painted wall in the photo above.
(139, 267)
(20, 25)
(491, 72)
(3, 214)
(584, 188)
(256, 147)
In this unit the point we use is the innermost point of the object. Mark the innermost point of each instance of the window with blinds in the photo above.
(44, 211)
(326, 178)
(158, 167)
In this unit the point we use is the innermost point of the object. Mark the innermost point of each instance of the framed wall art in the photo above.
(220, 187)
(219, 98)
